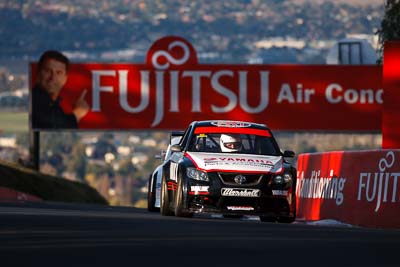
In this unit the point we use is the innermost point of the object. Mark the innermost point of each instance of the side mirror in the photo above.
(176, 148)
(288, 154)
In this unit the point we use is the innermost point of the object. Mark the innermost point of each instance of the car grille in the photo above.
(250, 179)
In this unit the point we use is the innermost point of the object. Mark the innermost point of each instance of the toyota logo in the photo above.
(240, 179)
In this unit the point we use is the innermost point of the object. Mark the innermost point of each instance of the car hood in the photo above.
(236, 162)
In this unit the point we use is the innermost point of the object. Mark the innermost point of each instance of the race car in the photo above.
(234, 168)
(154, 183)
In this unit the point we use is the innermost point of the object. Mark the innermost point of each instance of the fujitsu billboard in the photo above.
(171, 89)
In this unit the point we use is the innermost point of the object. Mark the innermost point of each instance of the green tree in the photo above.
(105, 144)
(390, 25)
(126, 168)
(55, 147)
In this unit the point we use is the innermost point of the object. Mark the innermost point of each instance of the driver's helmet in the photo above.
(230, 143)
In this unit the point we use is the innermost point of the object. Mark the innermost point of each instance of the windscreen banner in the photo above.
(354, 187)
(171, 89)
(391, 83)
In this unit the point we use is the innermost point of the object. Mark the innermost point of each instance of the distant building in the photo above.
(352, 51)
(150, 142)
(8, 142)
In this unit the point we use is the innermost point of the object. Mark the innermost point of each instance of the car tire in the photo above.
(151, 195)
(286, 219)
(290, 219)
(164, 199)
(180, 210)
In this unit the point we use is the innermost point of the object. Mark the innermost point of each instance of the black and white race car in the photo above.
(230, 167)
(154, 183)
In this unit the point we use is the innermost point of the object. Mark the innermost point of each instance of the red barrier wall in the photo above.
(355, 187)
(391, 110)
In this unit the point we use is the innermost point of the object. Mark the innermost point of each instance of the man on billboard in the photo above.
(47, 112)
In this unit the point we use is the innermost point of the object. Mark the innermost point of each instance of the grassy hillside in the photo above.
(14, 122)
(48, 188)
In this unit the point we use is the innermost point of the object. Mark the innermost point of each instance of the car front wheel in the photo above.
(179, 201)
(164, 200)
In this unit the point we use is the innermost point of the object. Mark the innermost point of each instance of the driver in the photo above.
(230, 143)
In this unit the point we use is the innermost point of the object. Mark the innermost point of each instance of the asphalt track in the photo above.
(49, 234)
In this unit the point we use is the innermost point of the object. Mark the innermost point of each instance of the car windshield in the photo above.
(239, 143)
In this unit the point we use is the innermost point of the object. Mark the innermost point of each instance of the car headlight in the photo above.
(196, 174)
(285, 178)
(278, 179)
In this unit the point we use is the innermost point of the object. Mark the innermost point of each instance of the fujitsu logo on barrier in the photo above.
(379, 186)
(175, 77)
(321, 187)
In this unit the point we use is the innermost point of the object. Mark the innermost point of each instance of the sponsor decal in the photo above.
(231, 124)
(318, 187)
(158, 195)
(239, 208)
(243, 163)
(260, 132)
(173, 171)
(240, 192)
(380, 187)
(279, 193)
(198, 188)
(233, 160)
